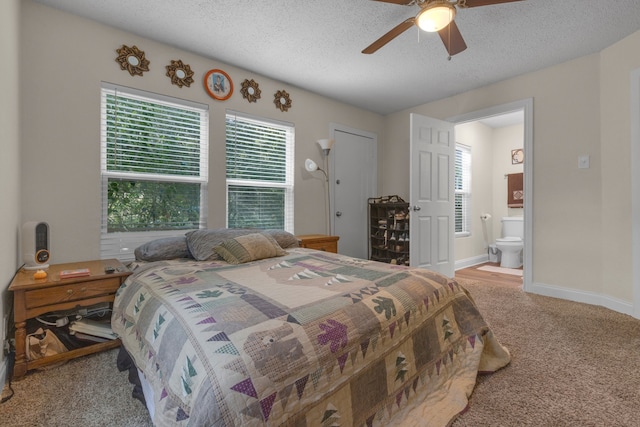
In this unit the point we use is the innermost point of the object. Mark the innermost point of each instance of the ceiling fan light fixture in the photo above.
(436, 16)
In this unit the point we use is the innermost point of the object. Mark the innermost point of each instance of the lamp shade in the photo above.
(310, 165)
(436, 16)
(326, 144)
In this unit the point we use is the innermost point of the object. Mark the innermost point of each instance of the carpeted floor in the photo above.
(572, 365)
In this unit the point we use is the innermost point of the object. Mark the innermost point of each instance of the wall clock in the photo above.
(218, 84)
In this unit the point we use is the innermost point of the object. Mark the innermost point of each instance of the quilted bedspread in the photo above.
(307, 339)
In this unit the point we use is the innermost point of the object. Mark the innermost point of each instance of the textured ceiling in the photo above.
(316, 44)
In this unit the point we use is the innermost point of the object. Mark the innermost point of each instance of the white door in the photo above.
(432, 173)
(353, 180)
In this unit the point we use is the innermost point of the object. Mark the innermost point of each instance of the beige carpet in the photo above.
(572, 365)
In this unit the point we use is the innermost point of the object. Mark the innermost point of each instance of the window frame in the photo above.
(120, 244)
(287, 184)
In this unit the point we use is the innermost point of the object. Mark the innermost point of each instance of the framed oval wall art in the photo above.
(218, 84)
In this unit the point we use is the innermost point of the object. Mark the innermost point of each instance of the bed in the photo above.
(298, 337)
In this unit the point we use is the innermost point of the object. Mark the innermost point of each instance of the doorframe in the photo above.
(635, 189)
(333, 127)
(525, 105)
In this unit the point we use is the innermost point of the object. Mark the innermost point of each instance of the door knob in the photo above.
(338, 213)
(416, 208)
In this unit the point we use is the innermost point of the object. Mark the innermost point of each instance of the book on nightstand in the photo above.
(80, 272)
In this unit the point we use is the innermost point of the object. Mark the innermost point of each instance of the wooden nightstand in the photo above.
(321, 242)
(34, 297)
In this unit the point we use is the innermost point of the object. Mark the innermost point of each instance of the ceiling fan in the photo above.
(434, 16)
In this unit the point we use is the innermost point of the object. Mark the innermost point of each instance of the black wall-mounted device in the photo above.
(35, 245)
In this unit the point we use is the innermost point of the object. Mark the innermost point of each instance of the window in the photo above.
(259, 173)
(154, 153)
(463, 191)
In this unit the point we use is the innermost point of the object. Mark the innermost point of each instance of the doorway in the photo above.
(526, 106)
(353, 180)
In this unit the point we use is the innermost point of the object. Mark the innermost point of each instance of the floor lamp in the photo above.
(312, 166)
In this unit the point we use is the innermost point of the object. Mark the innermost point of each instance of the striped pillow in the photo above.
(250, 247)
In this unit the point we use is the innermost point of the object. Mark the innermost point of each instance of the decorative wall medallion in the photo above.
(282, 100)
(517, 156)
(180, 74)
(250, 90)
(218, 84)
(132, 59)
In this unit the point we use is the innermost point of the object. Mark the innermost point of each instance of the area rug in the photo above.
(502, 270)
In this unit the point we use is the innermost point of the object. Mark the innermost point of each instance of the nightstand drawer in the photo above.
(319, 242)
(71, 292)
(323, 246)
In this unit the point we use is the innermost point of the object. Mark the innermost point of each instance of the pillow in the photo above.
(285, 239)
(250, 247)
(161, 249)
(202, 242)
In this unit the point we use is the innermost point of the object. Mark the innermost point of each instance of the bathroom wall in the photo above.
(504, 140)
(490, 162)
(479, 137)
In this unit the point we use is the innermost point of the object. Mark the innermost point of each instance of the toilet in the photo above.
(511, 243)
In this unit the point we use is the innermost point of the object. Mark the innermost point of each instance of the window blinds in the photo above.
(154, 167)
(259, 161)
(463, 190)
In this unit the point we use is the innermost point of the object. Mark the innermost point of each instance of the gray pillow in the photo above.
(285, 239)
(202, 242)
(162, 249)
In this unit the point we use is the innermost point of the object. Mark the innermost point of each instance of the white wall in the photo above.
(614, 154)
(504, 140)
(490, 161)
(479, 137)
(580, 107)
(9, 160)
(68, 57)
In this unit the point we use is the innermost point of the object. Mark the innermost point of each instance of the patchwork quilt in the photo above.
(307, 339)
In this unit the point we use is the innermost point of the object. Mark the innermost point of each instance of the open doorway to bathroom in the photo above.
(499, 140)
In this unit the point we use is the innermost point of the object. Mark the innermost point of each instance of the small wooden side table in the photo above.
(34, 297)
(321, 242)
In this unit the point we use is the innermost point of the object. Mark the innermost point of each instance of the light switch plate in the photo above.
(583, 162)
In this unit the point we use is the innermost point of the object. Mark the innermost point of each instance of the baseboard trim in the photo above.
(592, 298)
(468, 262)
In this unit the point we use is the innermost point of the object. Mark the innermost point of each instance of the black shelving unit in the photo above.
(389, 230)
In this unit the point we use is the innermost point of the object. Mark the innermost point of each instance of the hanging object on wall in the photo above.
(517, 156)
(180, 73)
(250, 90)
(282, 100)
(218, 84)
(132, 59)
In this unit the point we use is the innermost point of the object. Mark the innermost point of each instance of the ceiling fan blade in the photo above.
(452, 39)
(403, 2)
(476, 3)
(395, 32)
